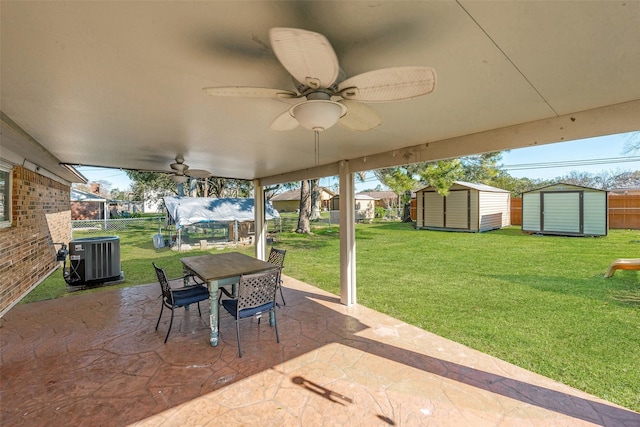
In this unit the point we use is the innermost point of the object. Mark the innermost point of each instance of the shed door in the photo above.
(432, 209)
(561, 212)
(457, 209)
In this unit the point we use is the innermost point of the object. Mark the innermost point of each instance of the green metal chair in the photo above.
(256, 296)
(180, 297)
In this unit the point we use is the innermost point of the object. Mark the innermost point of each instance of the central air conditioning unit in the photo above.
(94, 260)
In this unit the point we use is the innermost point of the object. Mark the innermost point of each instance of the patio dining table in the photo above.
(219, 270)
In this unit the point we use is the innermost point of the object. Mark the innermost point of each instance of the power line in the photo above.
(569, 163)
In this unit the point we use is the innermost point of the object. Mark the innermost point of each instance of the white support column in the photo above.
(347, 236)
(259, 218)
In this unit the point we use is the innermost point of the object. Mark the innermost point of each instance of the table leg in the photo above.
(272, 318)
(213, 312)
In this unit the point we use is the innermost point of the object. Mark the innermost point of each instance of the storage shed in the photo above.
(468, 207)
(565, 209)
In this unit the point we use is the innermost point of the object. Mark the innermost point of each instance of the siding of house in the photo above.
(41, 215)
(289, 201)
(286, 205)
(365, 208)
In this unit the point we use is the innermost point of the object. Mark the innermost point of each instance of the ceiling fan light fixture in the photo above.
(318, 115)
(179, 179)
(180, 168)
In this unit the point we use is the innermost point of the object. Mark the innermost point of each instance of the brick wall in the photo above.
(41, 215)
(87, 210)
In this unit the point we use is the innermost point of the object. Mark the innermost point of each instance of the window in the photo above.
(5, 195)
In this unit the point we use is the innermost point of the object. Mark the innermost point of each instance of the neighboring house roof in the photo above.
(365, 197)
(295, 195)
(287, 195)
(474, 186)
(627, 190)
(380, 195)
(83, 196)
(358, 196)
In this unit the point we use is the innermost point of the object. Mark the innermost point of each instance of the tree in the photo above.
(401, 180)
(481, 168)
(515, 185)
(118, 194)
(151, 186)
(442, 174)
(212, 187)
(632, 143)
(314, 189)
(305, 208)
(604, 180)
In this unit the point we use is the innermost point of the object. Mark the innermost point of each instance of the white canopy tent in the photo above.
(187, 211)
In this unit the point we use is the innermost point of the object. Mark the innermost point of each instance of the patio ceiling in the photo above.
(119, 84)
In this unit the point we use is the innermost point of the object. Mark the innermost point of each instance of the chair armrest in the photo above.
(193, 276)
(226, 292)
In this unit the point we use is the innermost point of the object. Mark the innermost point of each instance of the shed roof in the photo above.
(564, 184)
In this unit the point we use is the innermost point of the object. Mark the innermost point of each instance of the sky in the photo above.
(593, 155)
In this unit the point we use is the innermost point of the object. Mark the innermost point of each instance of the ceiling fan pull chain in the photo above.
(317, 147)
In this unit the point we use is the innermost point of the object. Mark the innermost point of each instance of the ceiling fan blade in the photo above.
(250, 92)
(307, 56)
(198, 173)
(389, 84)
(284, 121)
(359, 117)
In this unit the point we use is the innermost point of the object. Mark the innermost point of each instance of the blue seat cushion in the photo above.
(189, 295)
(231, 305)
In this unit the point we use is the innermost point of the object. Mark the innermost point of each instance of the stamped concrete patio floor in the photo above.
(96, 360)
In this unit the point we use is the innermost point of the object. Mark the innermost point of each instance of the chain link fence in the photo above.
(114, 226)
(218, 230)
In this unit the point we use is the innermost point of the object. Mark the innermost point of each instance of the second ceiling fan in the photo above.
(329, 98)
(181, 172)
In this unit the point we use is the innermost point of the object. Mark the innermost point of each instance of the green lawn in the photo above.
(540, 302)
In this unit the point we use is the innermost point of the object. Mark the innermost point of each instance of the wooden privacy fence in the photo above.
(624, 211)
(516, 211)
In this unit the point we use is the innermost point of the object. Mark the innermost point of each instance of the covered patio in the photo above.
(120, 84)
(95, 359)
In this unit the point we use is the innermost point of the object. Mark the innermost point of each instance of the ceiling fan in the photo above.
(328, 96)
(182, 173)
